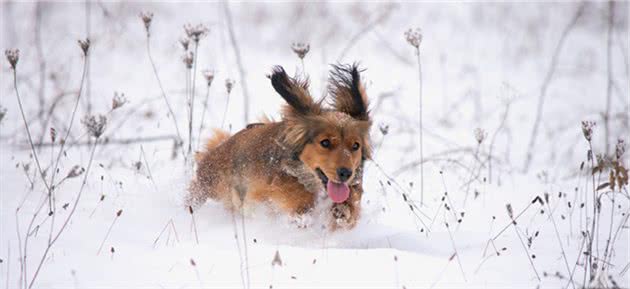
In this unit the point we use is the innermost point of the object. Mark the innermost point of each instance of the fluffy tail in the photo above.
(217, 139)
(197, 192)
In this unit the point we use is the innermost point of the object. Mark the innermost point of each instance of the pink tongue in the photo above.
(338, 192)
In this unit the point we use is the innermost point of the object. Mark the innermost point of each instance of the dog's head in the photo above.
(331, 142)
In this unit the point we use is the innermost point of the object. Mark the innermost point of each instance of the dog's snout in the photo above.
(344, 174)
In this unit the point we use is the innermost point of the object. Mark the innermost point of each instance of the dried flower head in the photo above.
(480, 135)
(188, 59)
(301, 49)
(510, 211)
(209, 76)
(118, 100)
(85, 45)
(146, 19)
(587, 129)
(53, 134)
(197, 32)
(384, 129)
(414, 37)
(620, 148)
(229, 84)
(3, 112)
(95, 124)
(75, 171)
(13, 55)
(185, 42)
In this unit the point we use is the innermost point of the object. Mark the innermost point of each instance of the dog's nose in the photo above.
(344, 174)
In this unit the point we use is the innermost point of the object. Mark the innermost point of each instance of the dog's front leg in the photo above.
(345, 215)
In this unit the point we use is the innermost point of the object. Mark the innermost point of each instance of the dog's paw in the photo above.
(341, 216)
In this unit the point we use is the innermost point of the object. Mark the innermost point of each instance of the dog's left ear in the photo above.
(347, 91)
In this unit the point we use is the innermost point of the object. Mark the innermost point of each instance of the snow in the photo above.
(476, 58)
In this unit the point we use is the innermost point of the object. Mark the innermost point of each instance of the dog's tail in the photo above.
(217, 139)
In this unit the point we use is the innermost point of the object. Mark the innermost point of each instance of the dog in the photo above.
(289, 164)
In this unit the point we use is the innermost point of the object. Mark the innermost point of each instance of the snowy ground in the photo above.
(483, 66)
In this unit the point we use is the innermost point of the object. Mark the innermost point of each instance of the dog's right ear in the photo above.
(295, 93)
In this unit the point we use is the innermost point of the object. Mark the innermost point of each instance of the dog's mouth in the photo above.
(337, 192)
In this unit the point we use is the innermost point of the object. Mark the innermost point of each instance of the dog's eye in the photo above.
(355, 146)
(325, 143)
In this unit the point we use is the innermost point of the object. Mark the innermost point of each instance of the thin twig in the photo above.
(459, 261)
(239, 62)
(108, 232)
(168, 105)
(203, 115)
(564, 255)
(547, 80)
(70, 214)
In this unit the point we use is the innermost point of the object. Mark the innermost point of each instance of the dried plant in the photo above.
(118, 100)
(587, 129)
(301, 49)
(196, 32)
(3, 112)
(13, 56)
(185, 42)
(620, 148)
(480, 135)
(95, 124)
(75, 172)
(209, 76)
(229, 84)
(85, 45)
(146, 17)
(188, 58)
(414, 38)
(179, 140)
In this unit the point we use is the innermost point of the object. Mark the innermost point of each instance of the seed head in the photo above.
(53, 134)
(620, 148)
(587, 129)
(188, 59)
(384, 129)
(85, 45)
(480, 135)
(3, 112)
(118, 100)
(146, 19)
(510, 211)
(229, 84)
(185, 42)
(75, 172)
(95, 124)
(301, 49)
(13, 55)
(197, 32)
(209, 76)
(414, 37)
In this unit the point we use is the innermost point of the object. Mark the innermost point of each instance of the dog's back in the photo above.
(231, 165)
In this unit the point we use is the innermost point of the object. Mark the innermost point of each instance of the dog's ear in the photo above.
(347, 91)
(295, 93)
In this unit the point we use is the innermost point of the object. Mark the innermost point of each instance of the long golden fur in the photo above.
(288, 163)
